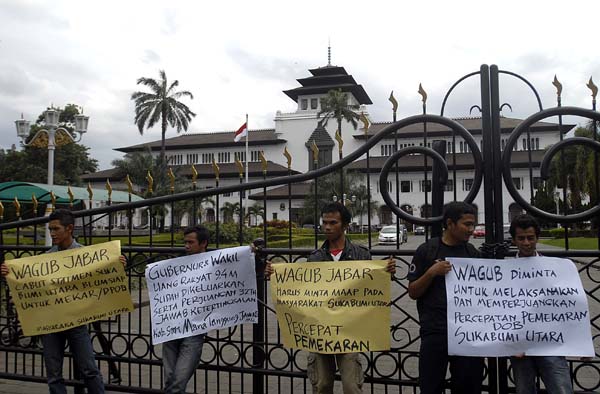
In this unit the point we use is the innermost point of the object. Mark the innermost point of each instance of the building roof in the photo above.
(226, 170)
(327, 78)
(208, 140)
(464, 161)
(473, 124)
(320, 136)
(24, 191)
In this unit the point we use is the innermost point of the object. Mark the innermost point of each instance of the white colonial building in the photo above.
(298, 129)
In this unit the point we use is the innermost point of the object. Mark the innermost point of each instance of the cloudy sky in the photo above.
(236, 57)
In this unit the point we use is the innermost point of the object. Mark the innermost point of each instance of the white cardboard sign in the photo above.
(535, 305)
(197, 293)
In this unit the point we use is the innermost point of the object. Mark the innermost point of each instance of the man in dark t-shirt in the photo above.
(427, 285)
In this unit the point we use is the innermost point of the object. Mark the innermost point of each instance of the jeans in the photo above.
(321, 372)
(180, 359)
(466, 373)
(83, 355)
(553, 370)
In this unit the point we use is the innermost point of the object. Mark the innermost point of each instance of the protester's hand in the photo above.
(253, 248)
(391, 266)
(268, 270)
(440, 268)
(123, 260)
(3, 269)
(520, 355)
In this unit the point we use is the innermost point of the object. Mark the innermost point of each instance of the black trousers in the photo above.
(466, 373)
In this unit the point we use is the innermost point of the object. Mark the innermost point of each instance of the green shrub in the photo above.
(557, 232)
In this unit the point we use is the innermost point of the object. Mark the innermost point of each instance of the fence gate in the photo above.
(251, 358)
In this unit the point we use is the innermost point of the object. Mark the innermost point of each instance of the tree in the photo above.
(163, 105)
(335, 106)
(256, 210)
(229, 210)
(31, 164)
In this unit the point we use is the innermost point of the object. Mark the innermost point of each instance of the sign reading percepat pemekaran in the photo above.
(341, 307)
(57, 291)
(194, 294)
(534, 305)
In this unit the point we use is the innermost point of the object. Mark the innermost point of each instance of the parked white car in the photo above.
(387, 235)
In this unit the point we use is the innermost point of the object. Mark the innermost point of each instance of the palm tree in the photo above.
(229, 210)
(256, 210)
(161, 105)
(335, 106)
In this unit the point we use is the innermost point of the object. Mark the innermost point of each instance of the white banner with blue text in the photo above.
(534, 306)
(197, 293)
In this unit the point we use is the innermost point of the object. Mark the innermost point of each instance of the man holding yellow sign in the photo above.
(56, 295)
(311, 300)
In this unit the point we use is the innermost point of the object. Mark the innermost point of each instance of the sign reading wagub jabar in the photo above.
(57, 291)
(340, 307)
(194, 294)
(533, 305)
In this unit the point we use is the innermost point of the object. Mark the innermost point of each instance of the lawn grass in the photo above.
(574, 243)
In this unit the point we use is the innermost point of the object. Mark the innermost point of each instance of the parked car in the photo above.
(479, 231)
(387, 235)
(420, 230)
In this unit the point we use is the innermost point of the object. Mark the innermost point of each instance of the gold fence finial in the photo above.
(1, 211)
(423, 94)
(240, 167)
(90, 191)
(393, 101)
(53, 200)
(365, 122)
(194, 174)
(172, 179)
(150, 182)
(340, 141)
(17, 207)
(315, 151)
(288, 157)
(215, 169)
(109, 189)
(35, 204)
(592, 86)
(129, 184)
(71, 196)
(263, 161)
(558, 86)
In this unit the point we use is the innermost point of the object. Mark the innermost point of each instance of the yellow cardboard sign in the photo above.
(333, 307)
(57, 291)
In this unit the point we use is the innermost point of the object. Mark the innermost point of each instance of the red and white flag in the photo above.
(242, 132)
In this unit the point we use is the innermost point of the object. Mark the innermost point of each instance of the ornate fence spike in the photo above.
(315, 151)
(35, 204)
(340, 141)
(109, 189)
(171, 179)
(365, 122)
(393, 101)
(263, 161)
(592, 86)
(558, 86)
(129, 184)
(1, 211)
(288, 157)
(71, 196)
(17, 205)
(90, 192)
(215, 168)
(194, 175)
(423, 94)
(150, 182)
(240, 167)
(53, 200)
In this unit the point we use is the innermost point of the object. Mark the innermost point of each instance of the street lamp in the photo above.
(51, 137)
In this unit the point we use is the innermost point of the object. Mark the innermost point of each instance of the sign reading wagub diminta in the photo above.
(57, 291)
(340, 307)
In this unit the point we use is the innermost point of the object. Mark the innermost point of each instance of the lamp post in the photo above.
(51, 137)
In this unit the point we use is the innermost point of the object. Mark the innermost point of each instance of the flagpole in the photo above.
(247, 136)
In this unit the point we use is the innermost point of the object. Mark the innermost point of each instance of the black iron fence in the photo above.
(251, 358)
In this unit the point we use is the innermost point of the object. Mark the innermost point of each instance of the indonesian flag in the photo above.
(242, 132)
